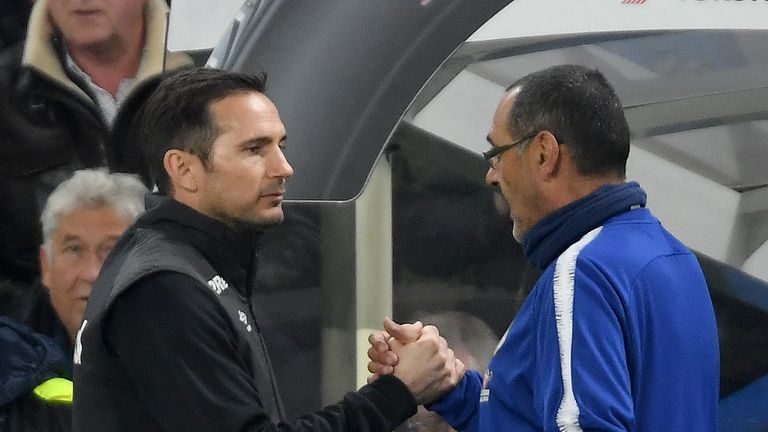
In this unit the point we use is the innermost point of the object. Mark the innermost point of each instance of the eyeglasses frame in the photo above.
(498, 150)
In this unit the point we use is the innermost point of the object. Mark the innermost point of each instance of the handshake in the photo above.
(418, 356)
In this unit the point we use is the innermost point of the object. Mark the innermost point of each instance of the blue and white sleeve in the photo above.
(460, 407)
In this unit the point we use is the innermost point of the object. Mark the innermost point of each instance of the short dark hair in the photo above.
(177, 115)
(581, 109)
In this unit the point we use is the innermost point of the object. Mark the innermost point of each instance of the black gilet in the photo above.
(168, 237)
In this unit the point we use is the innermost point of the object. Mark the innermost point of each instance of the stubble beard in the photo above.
(259, 223)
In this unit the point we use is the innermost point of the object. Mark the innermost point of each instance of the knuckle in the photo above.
(443, 343)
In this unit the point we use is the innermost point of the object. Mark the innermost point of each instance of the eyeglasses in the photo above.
(492, 155)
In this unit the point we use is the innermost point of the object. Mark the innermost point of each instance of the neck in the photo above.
(109, 63)
(557, 231)
(578, 187)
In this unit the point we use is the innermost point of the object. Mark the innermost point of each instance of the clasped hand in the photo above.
(418, 356)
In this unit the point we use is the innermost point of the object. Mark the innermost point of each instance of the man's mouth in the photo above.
(275, 194)
(87, 12)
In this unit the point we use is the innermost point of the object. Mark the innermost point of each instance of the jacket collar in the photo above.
(557, 231)
(40, 51)
(233, 253)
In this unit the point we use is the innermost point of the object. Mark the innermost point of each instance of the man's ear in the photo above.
(549, 155)
(182, 168)
(45, 267)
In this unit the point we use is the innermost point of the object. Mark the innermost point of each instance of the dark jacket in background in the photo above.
(13, 21)
(30, 354)
(50, 127)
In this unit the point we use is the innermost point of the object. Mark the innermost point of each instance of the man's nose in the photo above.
(492, 177)
(279, 166)
(91, 267)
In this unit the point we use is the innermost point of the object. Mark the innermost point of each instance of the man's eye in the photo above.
(73, 249)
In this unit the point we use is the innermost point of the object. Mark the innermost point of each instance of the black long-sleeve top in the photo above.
(164, 353)
(179, 351)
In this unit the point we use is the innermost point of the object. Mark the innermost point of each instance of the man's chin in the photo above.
(268, 222)
(93, 40)
(261, 221)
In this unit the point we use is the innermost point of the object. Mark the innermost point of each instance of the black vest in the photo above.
(140, 252)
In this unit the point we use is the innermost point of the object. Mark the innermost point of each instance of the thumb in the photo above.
(461, 369)
(403, 333)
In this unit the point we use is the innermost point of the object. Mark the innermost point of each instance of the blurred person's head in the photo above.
(473, 342)
(558, 134)
(82, 220)
(472, 339)
(215, 142)
(98, 25)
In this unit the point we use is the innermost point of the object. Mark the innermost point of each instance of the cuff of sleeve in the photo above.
(393, 398)
(459, 406)
(449, 400)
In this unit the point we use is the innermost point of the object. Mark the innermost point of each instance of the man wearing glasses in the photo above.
(619, 333)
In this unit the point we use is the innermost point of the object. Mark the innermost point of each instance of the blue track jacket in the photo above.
(618, 334)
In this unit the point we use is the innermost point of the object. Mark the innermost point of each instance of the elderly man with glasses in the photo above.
(619, 332)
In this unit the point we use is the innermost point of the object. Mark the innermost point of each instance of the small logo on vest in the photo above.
(218, 284)
(244, 320)
(77, 358)
(485, 392)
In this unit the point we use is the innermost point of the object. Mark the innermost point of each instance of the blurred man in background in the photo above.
(81, 63)
(82, 220)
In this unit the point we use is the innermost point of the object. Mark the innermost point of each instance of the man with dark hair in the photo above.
(169, 340)
(619, 333)
(195, 129)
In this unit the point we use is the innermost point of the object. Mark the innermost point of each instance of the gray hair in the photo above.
(92, 188)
